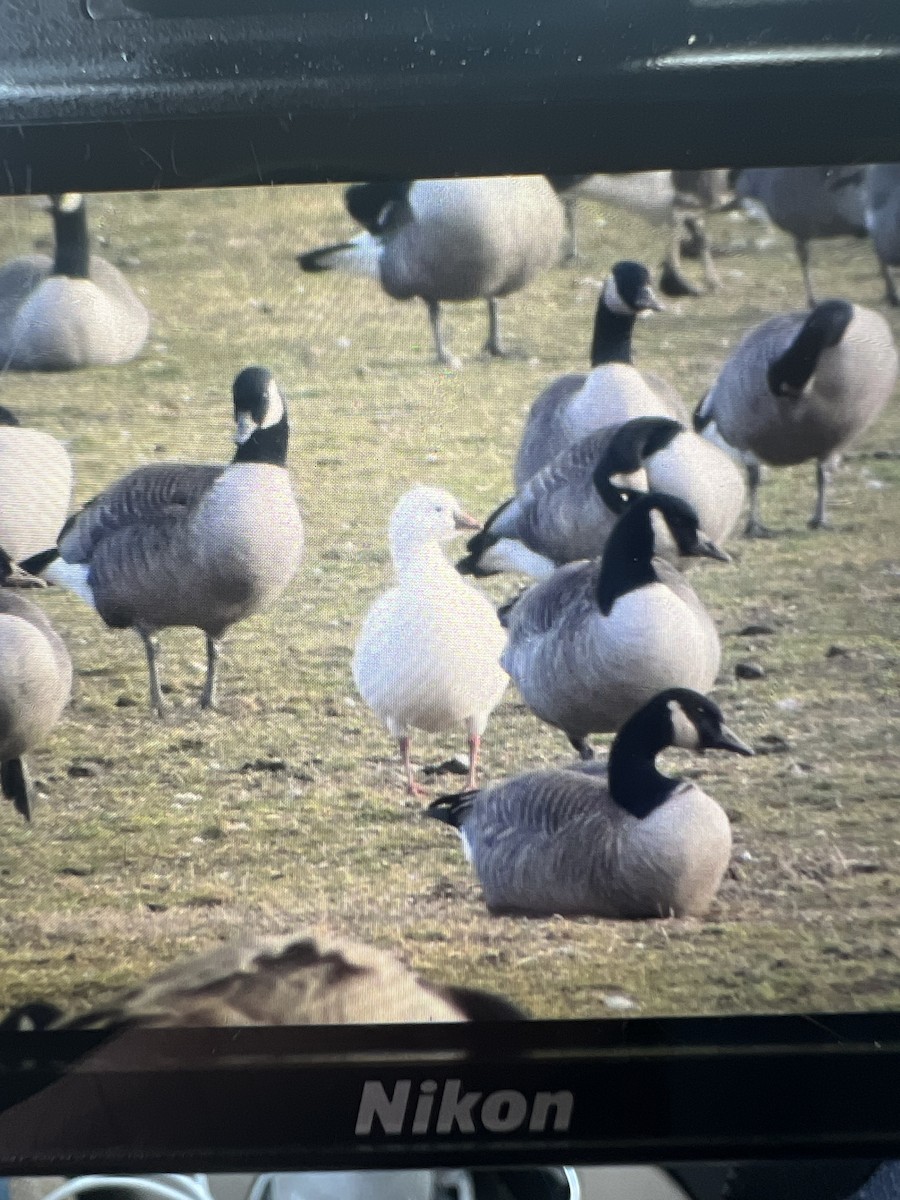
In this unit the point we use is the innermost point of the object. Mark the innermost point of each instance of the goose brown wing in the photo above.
(151, 495)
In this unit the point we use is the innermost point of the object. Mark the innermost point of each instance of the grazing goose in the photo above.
(74, 310)
(185, 544)
(679, 199)
(808, 203)
(574, 405)
(450, 239)
(591, 644)
(882, 214)
(35, 682)
(616, 840)
(566, 511)
(428, 654)
(298, 979)
(35, 488)
(801, 386)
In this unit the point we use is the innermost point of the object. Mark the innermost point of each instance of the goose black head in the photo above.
(373, 205)
(674, 717)
(645, 531)
(695, 722)
(628, 290)
(625, 295)
(789, 374)
(683, 524)
(8, 417)
(260, 417)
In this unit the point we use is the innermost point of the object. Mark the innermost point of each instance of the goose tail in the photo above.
(50, 566)
(452, 809)
(359, 256)
(16, 785)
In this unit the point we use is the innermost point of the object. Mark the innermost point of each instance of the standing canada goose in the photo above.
(882, 214)
(566, 511)
(35, 682)
(35, 488)
(296, 979)
(450, 239)
(808, 203)
(617, 840)
(428, 654)
(74, 310)
(801, 386)
(591, 644)
(189, 544)
(576, 404)
(678, 199)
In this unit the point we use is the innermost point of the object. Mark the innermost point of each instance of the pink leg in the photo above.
(474, 747)
(413, 788)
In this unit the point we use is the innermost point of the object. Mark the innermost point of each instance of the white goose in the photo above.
(428, 654)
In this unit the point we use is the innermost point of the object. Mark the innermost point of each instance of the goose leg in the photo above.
(443, 354)
(208, 696)
(802, 248)
(672, 280)
(891, 294)
(570, 255)
(494, 345)
(584, 748)
(474, 747)
(819, 519)
(754, 527)
(151, 646)
(412, 788)
(710, 274)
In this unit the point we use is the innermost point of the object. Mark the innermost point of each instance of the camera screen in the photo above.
(385, 601)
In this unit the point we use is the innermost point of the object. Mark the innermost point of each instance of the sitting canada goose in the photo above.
(427, 656)
(35, 488)
(591, 644)
(808, 203)
(616, 840)
(298, 979)
(801, 386)
(576, 404)
(450, 239)
(74, 310)
(566, 511)
(35, 682)
(882, 213)
(189, 544)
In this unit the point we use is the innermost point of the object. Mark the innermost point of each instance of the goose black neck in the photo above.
(823, 328)
(634, 782)
(73, 248)
(626, 452)
(267, 445)
(628, 557)
(612, 336)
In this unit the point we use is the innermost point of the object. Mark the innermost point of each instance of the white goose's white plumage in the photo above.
(428, 654)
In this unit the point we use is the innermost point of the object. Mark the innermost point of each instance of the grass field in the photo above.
(287, 807)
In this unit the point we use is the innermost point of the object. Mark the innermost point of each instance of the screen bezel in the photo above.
(643, 1089)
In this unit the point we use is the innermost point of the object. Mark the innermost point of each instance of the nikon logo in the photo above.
(451, 1110)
